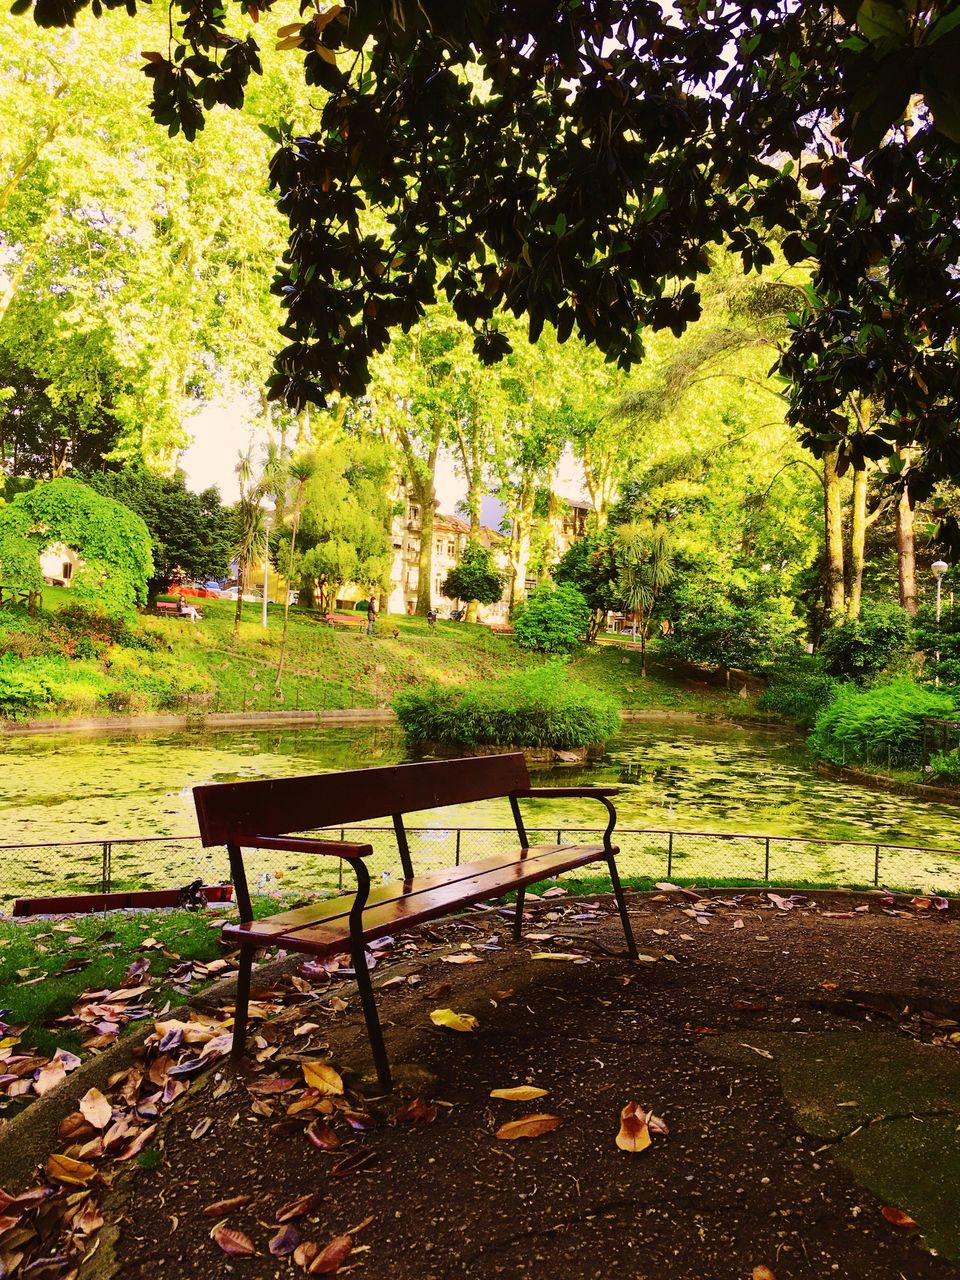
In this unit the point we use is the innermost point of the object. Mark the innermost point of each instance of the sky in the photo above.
(222, 429)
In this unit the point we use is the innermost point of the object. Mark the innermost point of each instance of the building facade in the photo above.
(450, 536)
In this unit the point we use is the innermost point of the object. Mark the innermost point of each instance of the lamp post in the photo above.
(266, 562)
(938, 569)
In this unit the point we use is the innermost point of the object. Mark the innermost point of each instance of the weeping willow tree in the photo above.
(645, 569)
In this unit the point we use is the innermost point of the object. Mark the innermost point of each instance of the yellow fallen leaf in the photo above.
(762, 1273)
(455, 1021)
(74, 1173)
(520, 1093)
(319, 1075)
(634, 1134)
(558, 955)
(96, 1110)
(529, 1126)
(462, 959)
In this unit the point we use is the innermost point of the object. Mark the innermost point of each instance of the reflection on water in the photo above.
(678, 775)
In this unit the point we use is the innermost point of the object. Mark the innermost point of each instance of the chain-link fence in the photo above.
(646, 856)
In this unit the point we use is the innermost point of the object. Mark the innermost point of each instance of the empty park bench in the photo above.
(356, 620)
(193, 895)
(263, 814)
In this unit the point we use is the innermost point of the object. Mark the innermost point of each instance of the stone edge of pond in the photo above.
(215, 720)
(881, 782)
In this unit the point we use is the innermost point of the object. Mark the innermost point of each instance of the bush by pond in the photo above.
(799, 688)
(945, 767)
(543, 707)
(881, 725)
(555, 619)
(879, 640)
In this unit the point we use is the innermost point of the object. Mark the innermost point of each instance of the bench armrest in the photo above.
(547, 793)
(350, 850)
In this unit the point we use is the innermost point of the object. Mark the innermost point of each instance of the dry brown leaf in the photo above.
(333, 1257)
(559, 955)
(897, 1217)
(96, 1109)
(520, 1093)
(454, 1021)
(322, 1077)
(466, 957)
(233, 1242)
(298, 1208)
(762, 1273)
(74, 1173)
(531, 1126)
(220, 1207)
(634, 1135)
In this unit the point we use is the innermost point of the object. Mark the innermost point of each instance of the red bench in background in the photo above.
(141, 899)
(261, 815)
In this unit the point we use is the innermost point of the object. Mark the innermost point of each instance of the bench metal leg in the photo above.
(621, 904)
(371, 1016)
(518, 915)
(242, 1003)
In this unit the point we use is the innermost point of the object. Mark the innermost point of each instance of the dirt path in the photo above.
(755, 1171)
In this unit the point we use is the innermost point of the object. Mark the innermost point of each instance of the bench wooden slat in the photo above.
(330, 934)
(277, 806)
(288, 922)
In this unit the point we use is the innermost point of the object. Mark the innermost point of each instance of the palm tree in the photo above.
(251, 539)
(645, 568)
(300, 470)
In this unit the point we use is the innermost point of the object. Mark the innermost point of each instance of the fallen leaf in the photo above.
(455, 1021)
(559, 955)
(417, 1111)
(464, 958)
(49, 1077)
(323, 1137)
(96, 1109)
(298, 1208)
(220, 1207)
(896, 1217)
(738, 924)
(762, 1273)
(520, 1093)
(305, 1253)
(323, 1077)
(200, 1129)
(284, 1242)
(634, 1135)
(233, 1242)
(74, 1173)
(333, 1257)
(762, 1052)
(531, 1126)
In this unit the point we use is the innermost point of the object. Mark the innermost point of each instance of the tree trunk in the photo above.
(833, 534)
(906, 557)
(520, 543)
(858, 536)
(474, 498)
(424, 491)
(554, 521)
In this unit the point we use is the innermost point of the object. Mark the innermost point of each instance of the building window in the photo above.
(67, 570)
(414, 513)
(451, 549)
(439, 547)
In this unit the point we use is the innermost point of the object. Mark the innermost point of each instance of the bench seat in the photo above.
(274, 813)
(323, 928)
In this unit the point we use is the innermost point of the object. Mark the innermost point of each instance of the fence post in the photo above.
(105, 868)
(457, 863)
(669, 854)
(876, 866)
(766, 859)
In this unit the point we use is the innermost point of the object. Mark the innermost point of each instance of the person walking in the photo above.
(371, 615)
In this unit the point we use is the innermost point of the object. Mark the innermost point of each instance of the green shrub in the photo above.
(883, 724)
(858, 649)
(945, 767)
(741, 629)
(543, 707)
(555, 619)
(23, 644)
(24, 686)
(799, 688)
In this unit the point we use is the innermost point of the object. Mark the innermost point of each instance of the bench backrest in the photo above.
(279, 806)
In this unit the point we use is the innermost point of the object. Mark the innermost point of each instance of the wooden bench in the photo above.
(262, 815)
(346, 619)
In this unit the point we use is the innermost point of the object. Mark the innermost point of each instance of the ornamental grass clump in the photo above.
(883, 724)
(542, 707)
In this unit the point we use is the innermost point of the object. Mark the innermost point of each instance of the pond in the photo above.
(692, 777)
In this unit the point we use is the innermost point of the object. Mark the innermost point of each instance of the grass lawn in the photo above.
(46, 965)
(168, 664)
